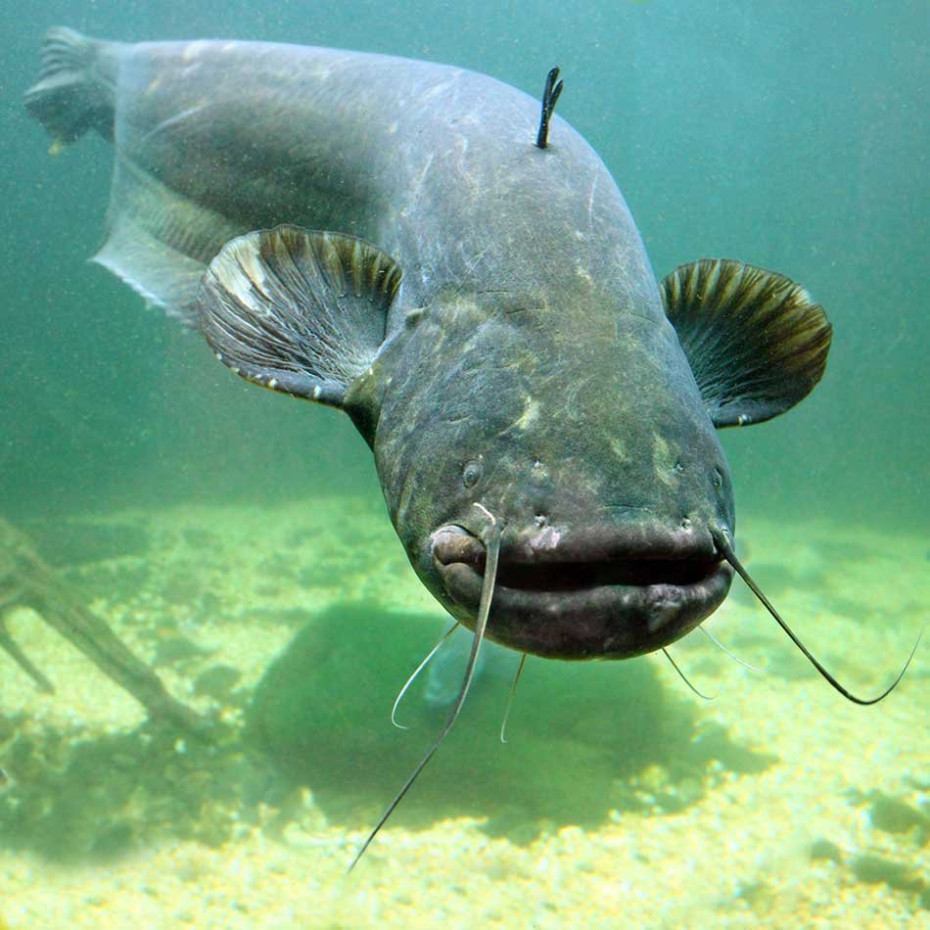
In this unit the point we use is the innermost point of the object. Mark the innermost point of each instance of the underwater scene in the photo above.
(220, 606)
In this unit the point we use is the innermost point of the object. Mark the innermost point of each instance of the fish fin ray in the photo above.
(756, 341)
(159, 242)
(76, 87)
(298, 311)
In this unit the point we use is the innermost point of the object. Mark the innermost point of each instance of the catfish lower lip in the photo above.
(558, 601)
(603, 620)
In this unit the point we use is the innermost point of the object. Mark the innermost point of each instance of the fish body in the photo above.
(384, 235)
(227, 137)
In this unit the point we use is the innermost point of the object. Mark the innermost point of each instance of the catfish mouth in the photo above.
(593, 593)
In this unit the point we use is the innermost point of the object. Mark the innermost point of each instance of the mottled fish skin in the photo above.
(219, 138)
(529, 375)
(528, 335)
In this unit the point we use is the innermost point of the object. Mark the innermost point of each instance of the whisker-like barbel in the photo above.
(722, 648)
(685, 679)
(726, 550)
(493, 543)
(510, 697)
(416, 671)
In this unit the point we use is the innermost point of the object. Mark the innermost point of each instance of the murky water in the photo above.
(236, 542)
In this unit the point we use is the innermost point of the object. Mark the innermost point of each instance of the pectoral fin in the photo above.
(297, 311)
(756, 341)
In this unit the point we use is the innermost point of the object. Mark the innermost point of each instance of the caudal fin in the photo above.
(75, 91)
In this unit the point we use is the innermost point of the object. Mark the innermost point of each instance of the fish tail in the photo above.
(76, 87)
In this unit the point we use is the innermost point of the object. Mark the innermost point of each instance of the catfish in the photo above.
(426, 249)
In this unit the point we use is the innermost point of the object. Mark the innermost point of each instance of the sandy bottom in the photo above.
(108, 821)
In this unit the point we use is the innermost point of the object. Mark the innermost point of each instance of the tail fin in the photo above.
(75, 91)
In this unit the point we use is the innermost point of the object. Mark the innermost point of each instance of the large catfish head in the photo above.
(579, 436)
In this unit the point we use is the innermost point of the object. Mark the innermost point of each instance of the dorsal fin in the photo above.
(297, 311)
(756, 341)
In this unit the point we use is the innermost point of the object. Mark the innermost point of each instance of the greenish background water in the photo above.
(791, 135)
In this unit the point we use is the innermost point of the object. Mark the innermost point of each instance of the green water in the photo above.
(790, 135)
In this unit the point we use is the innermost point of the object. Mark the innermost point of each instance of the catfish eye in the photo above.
(471, 474)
